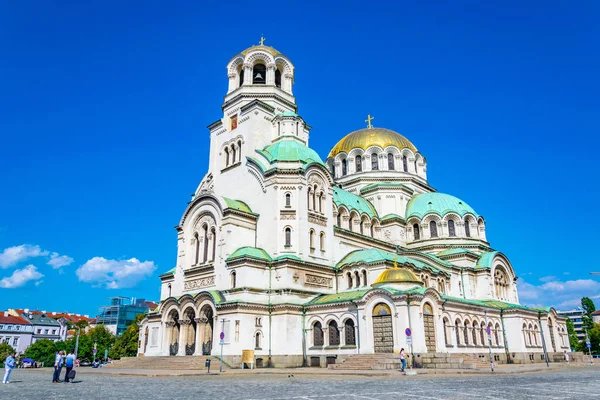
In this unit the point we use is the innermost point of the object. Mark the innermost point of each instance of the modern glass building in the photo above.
(121, 312)
(577, 317)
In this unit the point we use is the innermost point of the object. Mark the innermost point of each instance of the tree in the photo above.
(5, 351)
(573, 340)
(588, 308)
(594, 335)
(43, 350)
(127, 344)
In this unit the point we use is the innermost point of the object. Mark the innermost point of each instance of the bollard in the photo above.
(207, 364)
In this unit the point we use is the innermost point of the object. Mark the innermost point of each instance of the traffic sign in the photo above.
(408, 332)
(222, 336)
(221, 342)
(489, 330)
(408, 340)
(589, 345)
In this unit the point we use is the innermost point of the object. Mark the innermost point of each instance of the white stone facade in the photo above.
(282, 251)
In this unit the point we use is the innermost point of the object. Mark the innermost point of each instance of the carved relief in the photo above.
(318, 280)
(199, 283)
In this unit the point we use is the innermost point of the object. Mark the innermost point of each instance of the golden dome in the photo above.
(397, 275)
(272, 51)
(367, 137)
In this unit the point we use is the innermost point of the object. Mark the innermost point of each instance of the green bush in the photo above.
(43, 350)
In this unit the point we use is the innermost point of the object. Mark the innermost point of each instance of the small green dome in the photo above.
(437, 203)
(290, 150)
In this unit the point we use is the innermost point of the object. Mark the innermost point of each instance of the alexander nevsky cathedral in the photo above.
(309, 262)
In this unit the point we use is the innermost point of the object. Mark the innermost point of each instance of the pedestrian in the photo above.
(9, 364)
(567, 357)
(58, 364)
(403, 359)
(69, 364)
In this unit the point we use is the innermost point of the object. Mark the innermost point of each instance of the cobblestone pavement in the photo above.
(576, 383)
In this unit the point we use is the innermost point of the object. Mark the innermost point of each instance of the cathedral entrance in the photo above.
(190, 332)
(206, 328)
(383, 336)
(429, 325)
(173, 332)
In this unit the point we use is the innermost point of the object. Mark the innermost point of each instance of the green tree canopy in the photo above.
(573, 340)
(43, 350)
(588, 308)
(5, 351)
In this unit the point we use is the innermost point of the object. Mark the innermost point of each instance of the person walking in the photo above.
(9, 365)
(567, 357)
(403, 359)
(69, 364)
(58, 364)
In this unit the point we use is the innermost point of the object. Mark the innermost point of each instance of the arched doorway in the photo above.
(383, 336)
(429, 325)
(206, 327)
(173, 332)
(190, 327)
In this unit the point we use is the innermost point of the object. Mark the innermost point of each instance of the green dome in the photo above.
(290, 150)
(437, 203)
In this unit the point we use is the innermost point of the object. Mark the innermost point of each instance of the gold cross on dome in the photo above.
(262, 40)
(368, 121)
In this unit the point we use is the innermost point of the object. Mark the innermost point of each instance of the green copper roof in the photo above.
(369, 256)
(390, 216)
(288, 257)
(339, 297)
(237, 205)
(456, 250)
(437, 203)
(485, 261)
(353, 202)
(169, 272)
(287, 114)
(290, 150)
(378, 185)
(249, 252)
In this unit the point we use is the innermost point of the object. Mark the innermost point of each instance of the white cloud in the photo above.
(20, 277)
(14, 255)
(57, 261)
(115, 274)
(561, 295)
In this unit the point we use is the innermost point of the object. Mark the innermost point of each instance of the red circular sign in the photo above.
(407, 331)
(222, 335)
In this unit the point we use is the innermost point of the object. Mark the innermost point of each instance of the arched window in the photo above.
(391, 165)
(446, 327)
(259, 74)
(213, 234)
(404, 163)
(311, 236)
(467, 228)
(466, 332)
(309, 198)
(334, 334)
(257, 341)
(457, 331)
(358, 163)
(233, 158)
(318, 334)
(205, 257)
(322, 241)
(451, 228)
(344, 167)
(278, 78)
(339, 219)
(433, 229)
(349, 279)
(362, 223)
(240, 148)
(242, 76)
(197, 252)
(416, 232)
(350, 222)
(288, 237)
(357, 279)
(496, 329)
(321, 202)
(233, 279)
(474, 333)
(226, 157)
(350, 335)
(364, 277)
(374, 162)
(288, 200)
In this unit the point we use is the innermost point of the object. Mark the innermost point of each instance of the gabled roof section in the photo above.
(249, 252)
(169, 272)
(353, 202)
(485, 261)
(372, 256)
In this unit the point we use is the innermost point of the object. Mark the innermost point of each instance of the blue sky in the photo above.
(104, 108)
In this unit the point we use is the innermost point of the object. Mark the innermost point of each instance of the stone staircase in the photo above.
(369, 362)
(392, 361)
(453, 361)
(169, 363)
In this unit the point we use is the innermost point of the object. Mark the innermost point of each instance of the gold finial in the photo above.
(395, 263)
(262, 40)
(368, 121)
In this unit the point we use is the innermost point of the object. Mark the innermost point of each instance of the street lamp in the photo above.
(587, 338)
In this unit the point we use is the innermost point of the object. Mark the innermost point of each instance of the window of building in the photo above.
(241, 76)
(451, 229)
(233, 279)
(404, 164)
(9, 327)
(288, 237)
(318, 334)
(349, 279)
(334, 334)
(467, 229)
(197, 240)
(257, 341)
(344, 167)
(311, 237)
(45, 331)
(349, 333)
(278, 78)
(259, 74)
(391, 165)
(364, 277)
(213, 234)
(416, 232)
(374, 162)
(288, 200)
(358, 163)
(339, 220)
(226, 157)
(15, 341)
(433, 229)
(322, 241)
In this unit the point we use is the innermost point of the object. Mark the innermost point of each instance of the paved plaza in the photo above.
(573, 383)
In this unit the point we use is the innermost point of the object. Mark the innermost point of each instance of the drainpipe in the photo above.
(508, 360)
(543, 340)
(270, 362)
